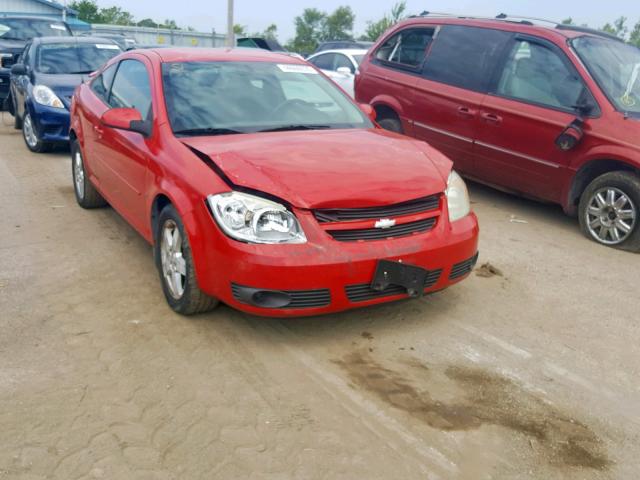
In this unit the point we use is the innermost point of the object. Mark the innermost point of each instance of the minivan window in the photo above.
(131, 88)
(407, 47)
(465, 57)
(28, 28)
(536, 74)
(616, 68)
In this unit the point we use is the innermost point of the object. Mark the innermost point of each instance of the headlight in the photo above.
(45, 96)
(457, 197)
(255, 220)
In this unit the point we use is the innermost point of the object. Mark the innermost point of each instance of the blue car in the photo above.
(42, 84)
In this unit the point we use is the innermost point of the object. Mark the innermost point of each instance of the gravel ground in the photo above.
(528, 369)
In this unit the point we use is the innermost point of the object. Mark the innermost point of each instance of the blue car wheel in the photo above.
(30, 134)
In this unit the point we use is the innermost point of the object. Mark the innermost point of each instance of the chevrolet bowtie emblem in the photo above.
(385, 223)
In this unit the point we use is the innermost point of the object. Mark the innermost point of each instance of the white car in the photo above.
(339, 65)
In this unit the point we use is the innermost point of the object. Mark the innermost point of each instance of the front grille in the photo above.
(383, 233)
(299, 298)
(463, 268)
(406, 208)
(363, 292)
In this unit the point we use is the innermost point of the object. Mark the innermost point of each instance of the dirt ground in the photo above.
(528, 369)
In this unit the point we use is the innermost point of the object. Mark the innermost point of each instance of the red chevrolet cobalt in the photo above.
(262, 185)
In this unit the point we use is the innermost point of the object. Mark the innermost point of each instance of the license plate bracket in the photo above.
(397, 273)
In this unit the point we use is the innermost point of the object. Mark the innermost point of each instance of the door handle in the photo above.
(467, 112)
(491, 118)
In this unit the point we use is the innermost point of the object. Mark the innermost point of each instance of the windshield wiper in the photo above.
(82, 72)
(286, 128)
(207, 131)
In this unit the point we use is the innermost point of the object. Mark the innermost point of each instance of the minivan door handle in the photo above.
(491, 118)
(467, 112)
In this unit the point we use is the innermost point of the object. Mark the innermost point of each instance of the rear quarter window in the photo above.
(405, 49)
(465, 57)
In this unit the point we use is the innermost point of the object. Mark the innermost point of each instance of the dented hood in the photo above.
(328, 168)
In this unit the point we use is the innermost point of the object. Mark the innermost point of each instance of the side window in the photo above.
(343, 61)
(406, 48)
(537, 74)
(324, 62)
(131, 88)
(102, 83)
(25, 56)
(465, 57)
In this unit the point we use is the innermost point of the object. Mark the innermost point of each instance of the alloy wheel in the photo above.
(611, 216)
(29, 132)
(174, 266)
(78, 174)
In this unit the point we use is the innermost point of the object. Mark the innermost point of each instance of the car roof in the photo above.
(239, 54)
(557, 31)
(346, 51)
(50, 40)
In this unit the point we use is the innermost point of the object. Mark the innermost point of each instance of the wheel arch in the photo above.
(588, 172)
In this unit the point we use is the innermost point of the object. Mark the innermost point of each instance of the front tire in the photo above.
(176, 268)
(30, 135)
(86, 194)
(610, 210)
(391, 124)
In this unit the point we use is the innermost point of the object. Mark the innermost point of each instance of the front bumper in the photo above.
(325, 275)
(51, 124)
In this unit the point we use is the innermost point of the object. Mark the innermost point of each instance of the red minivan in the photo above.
(547, 112)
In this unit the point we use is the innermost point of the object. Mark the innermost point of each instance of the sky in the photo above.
(203, 15)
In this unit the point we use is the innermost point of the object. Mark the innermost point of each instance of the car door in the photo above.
(125, 154)
(393, 72)
(450, 92)
(89, 110)
(20, 83)
(534, 99)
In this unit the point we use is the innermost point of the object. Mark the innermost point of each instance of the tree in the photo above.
(375, 29)
(239, 30)
(116, 16)
(147, 22)
(634, 38)
(339, 25)
(270, 32)
(619, 28)
(88, 10)
(309, 30)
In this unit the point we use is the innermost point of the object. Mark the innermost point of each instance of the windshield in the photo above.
(616, 68)
(74, 58)
(26, 29)
(241, 97)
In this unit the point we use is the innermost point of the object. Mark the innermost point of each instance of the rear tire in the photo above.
(391, 124)
(17, 122)
(609, 210)
(175, 265)
(30, 135)
(86, 194)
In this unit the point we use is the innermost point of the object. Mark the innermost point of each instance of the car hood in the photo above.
(328, 168)
(62, 85)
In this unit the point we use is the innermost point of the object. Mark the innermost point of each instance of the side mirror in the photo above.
(19, 69)
(369, 111)
(570, 136)
(128, 119)
(344, 71)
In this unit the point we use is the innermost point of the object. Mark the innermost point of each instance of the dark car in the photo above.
(43, 82)
(342, 45)
(15, 32)
(124, 42)
(551, 112)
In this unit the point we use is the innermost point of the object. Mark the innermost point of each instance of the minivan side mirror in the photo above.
(19, 69)
(128, 119)
(369, 111)
(571, 136)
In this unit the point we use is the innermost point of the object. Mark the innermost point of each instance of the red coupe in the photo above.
(262, 185)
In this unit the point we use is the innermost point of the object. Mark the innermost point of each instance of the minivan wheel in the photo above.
(86, 194)
(391, 124)
(175, 265)
(609, 210)
(30, 136)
